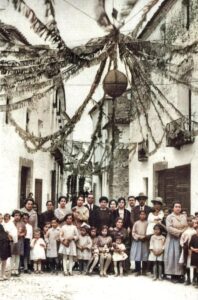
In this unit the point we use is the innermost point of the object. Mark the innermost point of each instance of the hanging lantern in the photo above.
(115, 83)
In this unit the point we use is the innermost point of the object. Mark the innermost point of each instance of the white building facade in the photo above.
(171, 172)
(22, 172)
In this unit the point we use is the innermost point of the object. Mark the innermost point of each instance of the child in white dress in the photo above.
(84, 245)
(37, 253)
(119, 255)
(157, 244)
(68, 238)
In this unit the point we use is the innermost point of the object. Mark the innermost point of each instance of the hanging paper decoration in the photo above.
(29, 68)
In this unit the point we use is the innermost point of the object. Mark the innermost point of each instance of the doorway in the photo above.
(174, 184)
(38, 193)
(25, 174)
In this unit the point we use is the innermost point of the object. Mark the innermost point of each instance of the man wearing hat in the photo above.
(141, 198)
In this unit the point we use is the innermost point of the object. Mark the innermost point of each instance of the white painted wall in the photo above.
(12, 148)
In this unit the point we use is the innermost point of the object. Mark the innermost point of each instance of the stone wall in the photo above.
(119, 175)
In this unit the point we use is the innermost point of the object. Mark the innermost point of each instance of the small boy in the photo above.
(52, 238)
(27, 241)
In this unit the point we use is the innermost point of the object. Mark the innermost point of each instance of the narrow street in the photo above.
(98, 149)
(80, 287)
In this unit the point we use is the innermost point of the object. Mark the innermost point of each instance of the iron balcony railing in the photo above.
(180, 132)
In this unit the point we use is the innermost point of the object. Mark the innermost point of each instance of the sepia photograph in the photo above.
(98, 149)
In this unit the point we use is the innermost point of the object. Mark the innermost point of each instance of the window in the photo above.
(163, 32)
(40, 126)
(7, 104)
(186, 6)
(27, 120)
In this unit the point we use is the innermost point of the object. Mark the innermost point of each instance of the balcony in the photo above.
(143, 151)
(180, 132)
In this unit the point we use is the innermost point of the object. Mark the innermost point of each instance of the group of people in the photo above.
(115, 237)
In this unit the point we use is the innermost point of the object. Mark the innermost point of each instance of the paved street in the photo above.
(78, 287)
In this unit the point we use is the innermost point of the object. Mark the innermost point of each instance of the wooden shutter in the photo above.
(182, 185)
(174, 184)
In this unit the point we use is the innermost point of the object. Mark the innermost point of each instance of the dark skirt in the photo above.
(5, 249)
(194, 256)
(26, 248)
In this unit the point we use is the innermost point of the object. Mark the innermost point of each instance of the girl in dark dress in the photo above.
(193, 246)
(5, 251)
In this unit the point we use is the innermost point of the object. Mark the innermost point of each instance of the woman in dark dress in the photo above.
(122, 212)
(5, 251)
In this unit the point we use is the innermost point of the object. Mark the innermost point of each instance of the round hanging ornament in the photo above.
(115, 83)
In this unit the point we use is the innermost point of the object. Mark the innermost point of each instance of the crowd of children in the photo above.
(107, 239)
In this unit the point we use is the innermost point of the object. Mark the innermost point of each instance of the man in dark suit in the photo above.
(141, 198)
(92, 209)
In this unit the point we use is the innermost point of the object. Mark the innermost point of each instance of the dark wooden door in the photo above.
(174, 184)
(38, 193)
(170, 195)
(182, 185)
(23, 188)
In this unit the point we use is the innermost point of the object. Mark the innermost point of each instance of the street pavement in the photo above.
(81, 287)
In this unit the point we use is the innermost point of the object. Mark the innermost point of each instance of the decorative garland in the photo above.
(26, 102)
(41, 29)
(67, 128)
(48, 63)
(147, 8)
(94, 136)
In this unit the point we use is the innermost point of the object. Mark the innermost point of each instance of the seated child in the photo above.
(94, 251)
(104, 245)
(119, 255)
